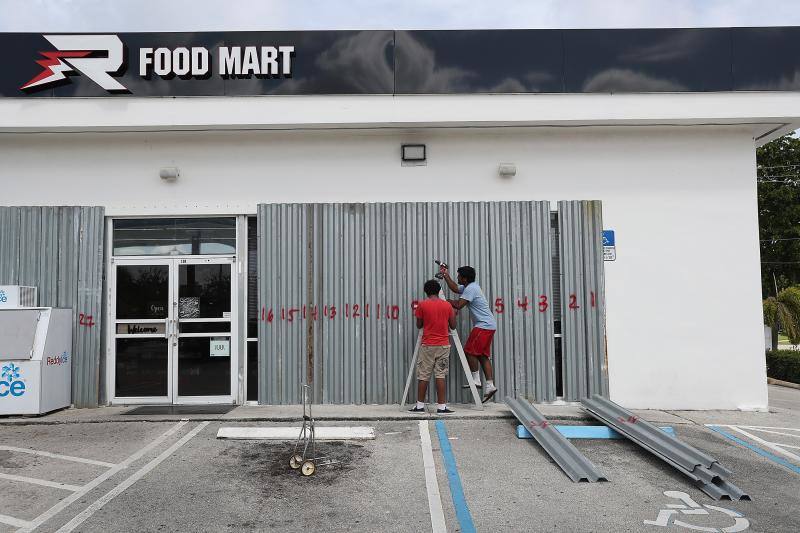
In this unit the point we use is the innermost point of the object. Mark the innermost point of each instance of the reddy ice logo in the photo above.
(93, 56)
(58, 360)
(10, 381)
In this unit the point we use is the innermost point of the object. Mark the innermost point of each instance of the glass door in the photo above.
(204, 345)
(142, 331)
(173, 338)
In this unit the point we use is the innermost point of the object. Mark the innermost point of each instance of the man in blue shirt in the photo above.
(479, 343)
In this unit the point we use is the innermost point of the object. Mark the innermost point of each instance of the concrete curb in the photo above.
(232, 420)
(789, 384)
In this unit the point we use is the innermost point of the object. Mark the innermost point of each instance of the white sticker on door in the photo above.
(220, 348)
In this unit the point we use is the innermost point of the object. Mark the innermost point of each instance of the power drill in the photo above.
(439, 275)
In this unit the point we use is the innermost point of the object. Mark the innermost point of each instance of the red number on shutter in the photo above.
(593, 300)
(543, 305)
(356, 309)
(499, 306)
(523, 304)
(573, 302)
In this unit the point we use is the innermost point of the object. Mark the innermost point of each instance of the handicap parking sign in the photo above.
(608, 237)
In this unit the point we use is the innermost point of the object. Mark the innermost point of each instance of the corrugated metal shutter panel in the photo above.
(582, 289)
(60, 250)
(370, 261)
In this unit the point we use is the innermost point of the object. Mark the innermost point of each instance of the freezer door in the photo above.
(18, 333)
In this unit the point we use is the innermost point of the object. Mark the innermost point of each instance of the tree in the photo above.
(778, 174)
(783, 314)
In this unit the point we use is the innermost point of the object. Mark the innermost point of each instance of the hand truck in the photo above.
(307, 461)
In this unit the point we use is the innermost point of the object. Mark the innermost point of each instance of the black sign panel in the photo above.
(652, 61)
(198, 64)
(399, 62)
(479, 61)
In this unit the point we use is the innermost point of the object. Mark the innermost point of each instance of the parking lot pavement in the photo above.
(180, 477)
(511, 483)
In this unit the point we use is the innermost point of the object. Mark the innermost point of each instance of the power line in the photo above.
(782, 239)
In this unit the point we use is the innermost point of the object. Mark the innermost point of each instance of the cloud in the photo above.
(624, 80)
(232, 15)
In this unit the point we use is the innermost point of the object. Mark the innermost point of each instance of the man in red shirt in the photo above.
(435, 317)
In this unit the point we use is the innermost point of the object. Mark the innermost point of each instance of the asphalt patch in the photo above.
(267, 463)
(7, 460)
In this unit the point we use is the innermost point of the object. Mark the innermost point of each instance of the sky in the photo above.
(210, 15)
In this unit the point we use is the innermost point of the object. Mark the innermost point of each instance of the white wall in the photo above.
(683, 298)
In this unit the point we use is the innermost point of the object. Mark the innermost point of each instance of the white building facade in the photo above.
(672, 164)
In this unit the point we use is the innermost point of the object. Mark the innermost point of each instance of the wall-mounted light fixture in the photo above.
(413, 154)
(169, 173)
(507, 170)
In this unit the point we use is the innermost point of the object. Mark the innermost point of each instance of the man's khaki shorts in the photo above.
(434, 359)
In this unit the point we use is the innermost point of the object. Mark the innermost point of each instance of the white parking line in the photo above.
(768, 427)
(42, 482)
(431, 483)
(766, 443)
(69, 500)
(11, 521)
(760, 430)
(58, 456)
(119, 489)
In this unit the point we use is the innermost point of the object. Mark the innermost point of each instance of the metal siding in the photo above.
(580, 225)
(542, 358)
(378, 256)
(29, 247)
(9, 245)
(594, 275)
(282, 261)
(59, 250)
(342, 353)
(89, 298)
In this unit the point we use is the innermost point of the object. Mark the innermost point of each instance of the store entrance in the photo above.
(174, 337)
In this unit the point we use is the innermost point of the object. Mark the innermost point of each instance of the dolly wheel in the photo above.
(308, 468)
(295, 462)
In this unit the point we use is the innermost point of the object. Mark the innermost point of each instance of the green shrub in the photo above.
(784, 365)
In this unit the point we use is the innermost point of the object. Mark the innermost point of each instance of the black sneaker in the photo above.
(416, 409)
(477, 386)
(444, 411)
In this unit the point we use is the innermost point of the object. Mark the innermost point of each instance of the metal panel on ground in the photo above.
(704, 470)
(582, 301)
(567, 456)
(59, 250)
